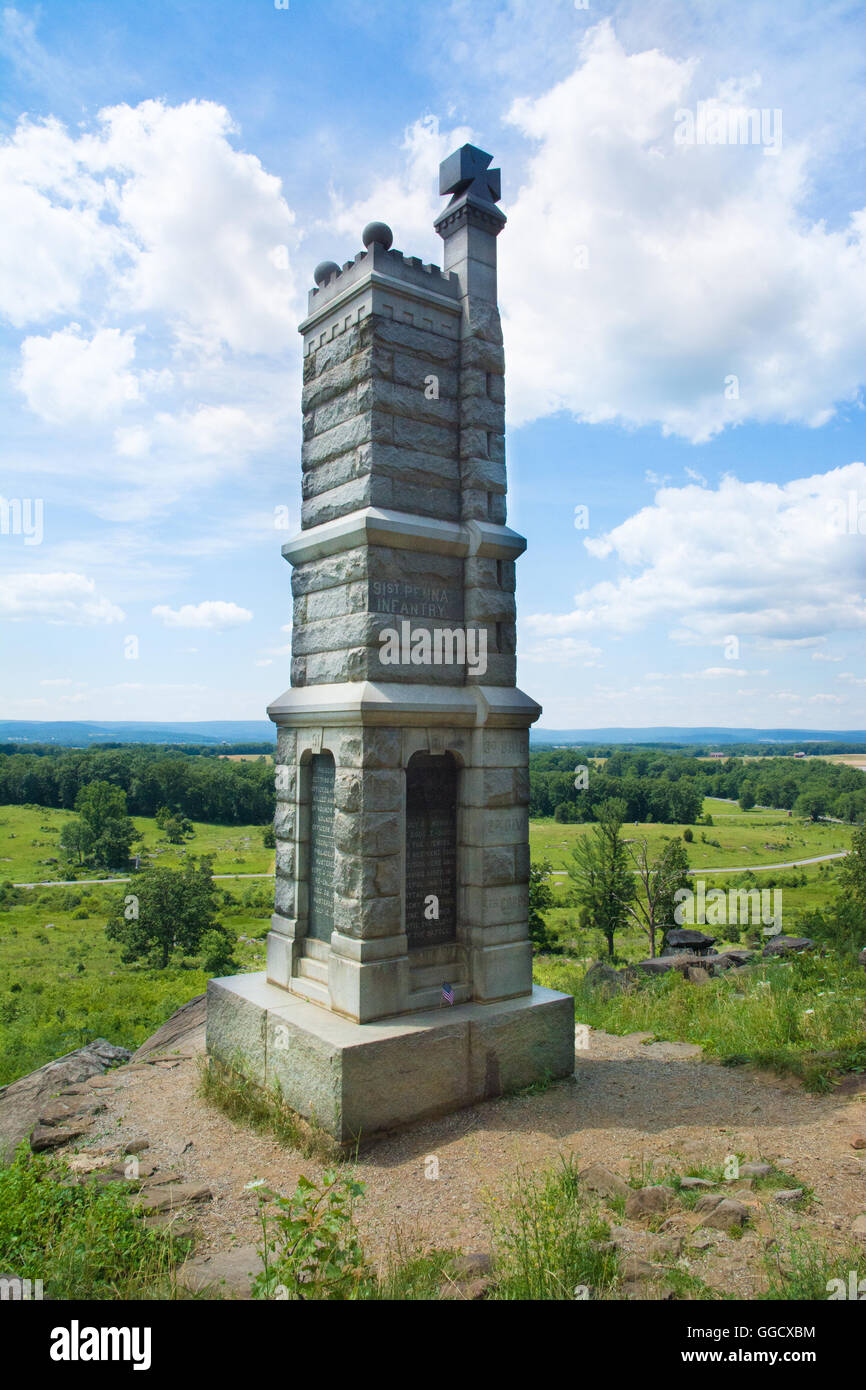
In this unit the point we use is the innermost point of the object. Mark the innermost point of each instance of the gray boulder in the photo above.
(23, 1101)
(785, 945)
(604, 978)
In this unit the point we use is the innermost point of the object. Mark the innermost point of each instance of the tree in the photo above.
(76, 840)
(603, 882)
(747, 797)
(852, 875)
(171, 909)
(102, 808)
(541, 900)
(657, 883)
(269, 838)
(217, 948)
(811, 802)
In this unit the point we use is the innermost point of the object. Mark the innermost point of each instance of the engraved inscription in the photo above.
(407, 600)
(321, 920)
(431, 850)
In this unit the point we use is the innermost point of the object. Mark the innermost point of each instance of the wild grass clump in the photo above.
(803, 1017)
(798, 1269)
(549, 1239)
(266, 1111)
(83, 1240)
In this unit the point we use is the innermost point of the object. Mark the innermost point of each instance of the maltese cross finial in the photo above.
(467, 171)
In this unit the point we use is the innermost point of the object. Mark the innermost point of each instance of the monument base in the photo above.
(357, 1080)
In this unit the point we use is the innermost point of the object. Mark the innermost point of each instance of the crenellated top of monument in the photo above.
(475, 190)
(381, 258)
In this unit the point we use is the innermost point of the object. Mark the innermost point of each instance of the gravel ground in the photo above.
(629, 1103)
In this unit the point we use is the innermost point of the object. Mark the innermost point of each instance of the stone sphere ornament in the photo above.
(379, 233)
(324, 270)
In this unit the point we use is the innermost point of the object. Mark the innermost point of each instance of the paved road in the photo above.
(83, 882)
(744, 868)
(561, 873)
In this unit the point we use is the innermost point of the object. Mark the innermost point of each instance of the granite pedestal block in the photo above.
(359, 1080)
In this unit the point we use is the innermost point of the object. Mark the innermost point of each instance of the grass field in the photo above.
(62, 982)
(745, 838)
(29, 853)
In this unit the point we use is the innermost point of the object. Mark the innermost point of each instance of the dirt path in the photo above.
(627, 1104)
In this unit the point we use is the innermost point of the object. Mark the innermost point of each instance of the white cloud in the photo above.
(762, 560)
(564, 651)
(68, 378)
(701, 263)
(161, 206)
(407, 200)
(212, 613)
(56, 598)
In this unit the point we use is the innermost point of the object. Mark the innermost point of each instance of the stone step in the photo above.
(313, 970)
(431, 998)
(435, 976)
(311, 989)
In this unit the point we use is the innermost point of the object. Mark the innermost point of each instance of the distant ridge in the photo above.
(75, 734)
(670, 734)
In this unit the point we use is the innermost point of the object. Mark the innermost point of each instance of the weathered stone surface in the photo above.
(784, 945)
(184, 1031)
(786, 1197)
(469, 1266)
(227, 1273)
(22, 1101)
(755, 1170)
(604, 1181)
(726, 1215)
(172, 1195)
(361, 1082)
(46, 1137)
(648, 1201)
(696, 1184)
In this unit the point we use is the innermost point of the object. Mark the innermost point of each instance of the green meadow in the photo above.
(745, 839)
(29, 846)
(62, 982)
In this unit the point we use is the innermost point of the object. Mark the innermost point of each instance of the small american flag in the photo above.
(448, 994)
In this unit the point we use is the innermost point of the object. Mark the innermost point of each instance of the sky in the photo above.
(683, 291)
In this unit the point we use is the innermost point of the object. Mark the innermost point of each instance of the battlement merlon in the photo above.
(381, 281)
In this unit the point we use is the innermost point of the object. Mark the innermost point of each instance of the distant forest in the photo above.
(201, 785)
(656, 785)
(670, 787)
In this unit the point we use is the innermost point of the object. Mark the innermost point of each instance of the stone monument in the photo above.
(399, 965)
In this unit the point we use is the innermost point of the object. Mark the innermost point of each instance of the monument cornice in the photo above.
(404, 531)
(392, 703)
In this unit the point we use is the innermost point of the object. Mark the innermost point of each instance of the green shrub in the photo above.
(310, 1246)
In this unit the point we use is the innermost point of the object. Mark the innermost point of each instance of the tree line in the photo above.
(572, 784)
(198, 786)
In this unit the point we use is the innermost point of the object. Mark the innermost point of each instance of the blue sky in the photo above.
(685, 320)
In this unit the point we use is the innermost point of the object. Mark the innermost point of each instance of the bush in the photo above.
(310, 1246)
(688, 835)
